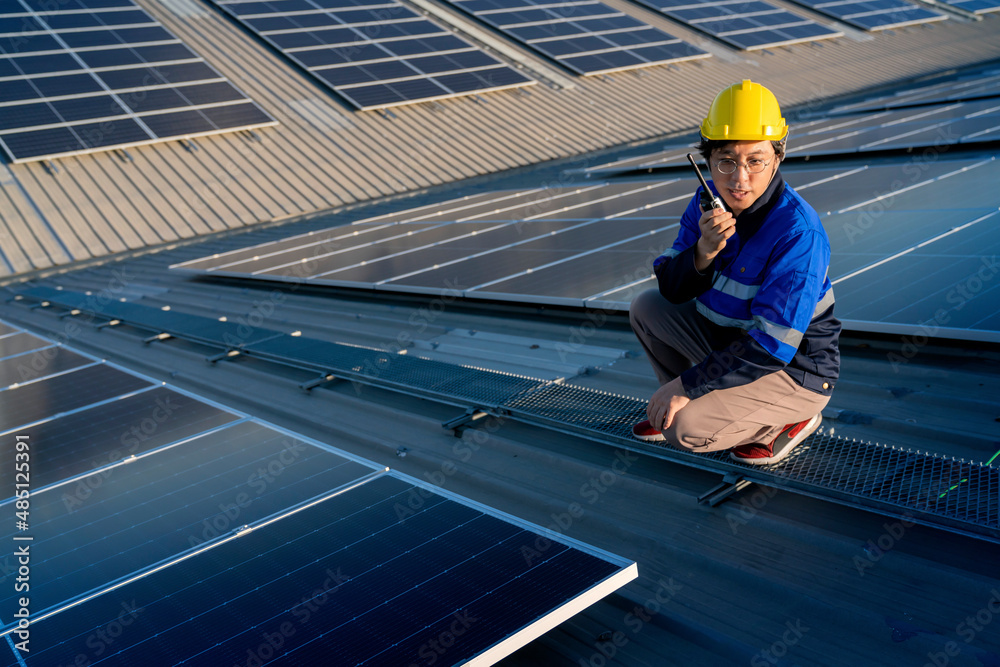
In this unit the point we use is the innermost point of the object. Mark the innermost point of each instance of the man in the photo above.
(741, 332)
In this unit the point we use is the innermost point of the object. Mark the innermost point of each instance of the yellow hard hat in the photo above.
(744, 111)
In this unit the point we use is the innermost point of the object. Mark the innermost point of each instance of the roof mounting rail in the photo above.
(189, 145)
(124, 155)
(50, 167)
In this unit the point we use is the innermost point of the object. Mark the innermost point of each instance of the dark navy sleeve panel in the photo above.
(740, 363)
(678, 279)
(676, 276)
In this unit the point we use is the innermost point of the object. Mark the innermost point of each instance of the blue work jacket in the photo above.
(766, 296)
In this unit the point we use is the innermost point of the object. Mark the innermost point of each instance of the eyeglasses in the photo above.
(753, 165)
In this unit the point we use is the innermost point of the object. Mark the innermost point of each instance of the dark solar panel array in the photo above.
(896, 123)
(586, 36)
(746, 25)
(984, 83)
(89, 75)
(199, 529)
(875, 14)
(374, 53)
(593, 246)
(975, 6)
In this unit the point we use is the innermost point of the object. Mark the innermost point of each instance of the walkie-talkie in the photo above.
(708, 201)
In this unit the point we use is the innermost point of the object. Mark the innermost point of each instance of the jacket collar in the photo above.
(749, 221)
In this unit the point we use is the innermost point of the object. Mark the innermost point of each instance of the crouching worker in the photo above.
(741, 332)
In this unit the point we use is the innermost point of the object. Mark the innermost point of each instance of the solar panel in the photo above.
(107, 433)
(981, 84)
(949, 288)
(84, 386)
(43, 362)
(205, 532)
(599, 246)
(374, 53)
(745, 24)
(975, 6)
(586, 36)
(908, 127)
(366, 577)
(91, 75)
(875, 14)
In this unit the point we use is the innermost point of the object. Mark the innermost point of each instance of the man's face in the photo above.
(741, 188)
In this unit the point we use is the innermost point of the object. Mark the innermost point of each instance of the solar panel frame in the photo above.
(586, 36)
(374, 589)
(68, 82)
(348, 49)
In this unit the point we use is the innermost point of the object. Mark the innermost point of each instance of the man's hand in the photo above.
(716, 226)
(666, 403)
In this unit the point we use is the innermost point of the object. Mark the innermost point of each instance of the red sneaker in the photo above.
(757, 454)
(645, 431)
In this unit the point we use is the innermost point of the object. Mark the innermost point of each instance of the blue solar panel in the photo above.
(874, 14)
(204, 532)
(370, 53)
(586, 36)
(68, 71)
(975, 6)
(366, 577)
(745, 25)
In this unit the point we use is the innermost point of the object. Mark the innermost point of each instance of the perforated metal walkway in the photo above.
(960, 496)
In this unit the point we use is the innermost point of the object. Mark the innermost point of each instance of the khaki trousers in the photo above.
(676, 337)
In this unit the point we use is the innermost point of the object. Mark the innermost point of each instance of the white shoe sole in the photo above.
(785, 450)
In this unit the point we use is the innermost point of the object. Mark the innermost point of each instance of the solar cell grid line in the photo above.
(987, 85)
(34, 364)
(393, 580)
(42, 399)
(49, 371)
(874, 15)
(20, 342)
(498, 287)
(586, 36)
(411, 214)
(94, 437)
(617, 198)
(375, 54)
(95, 76)
(525, 254)
(164, 503)
(977, 7)
(745, 24)
(318, 246)
(423, 240)
(918, 289)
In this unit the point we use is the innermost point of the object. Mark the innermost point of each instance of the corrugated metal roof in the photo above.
(322, 155)
(768, 576)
